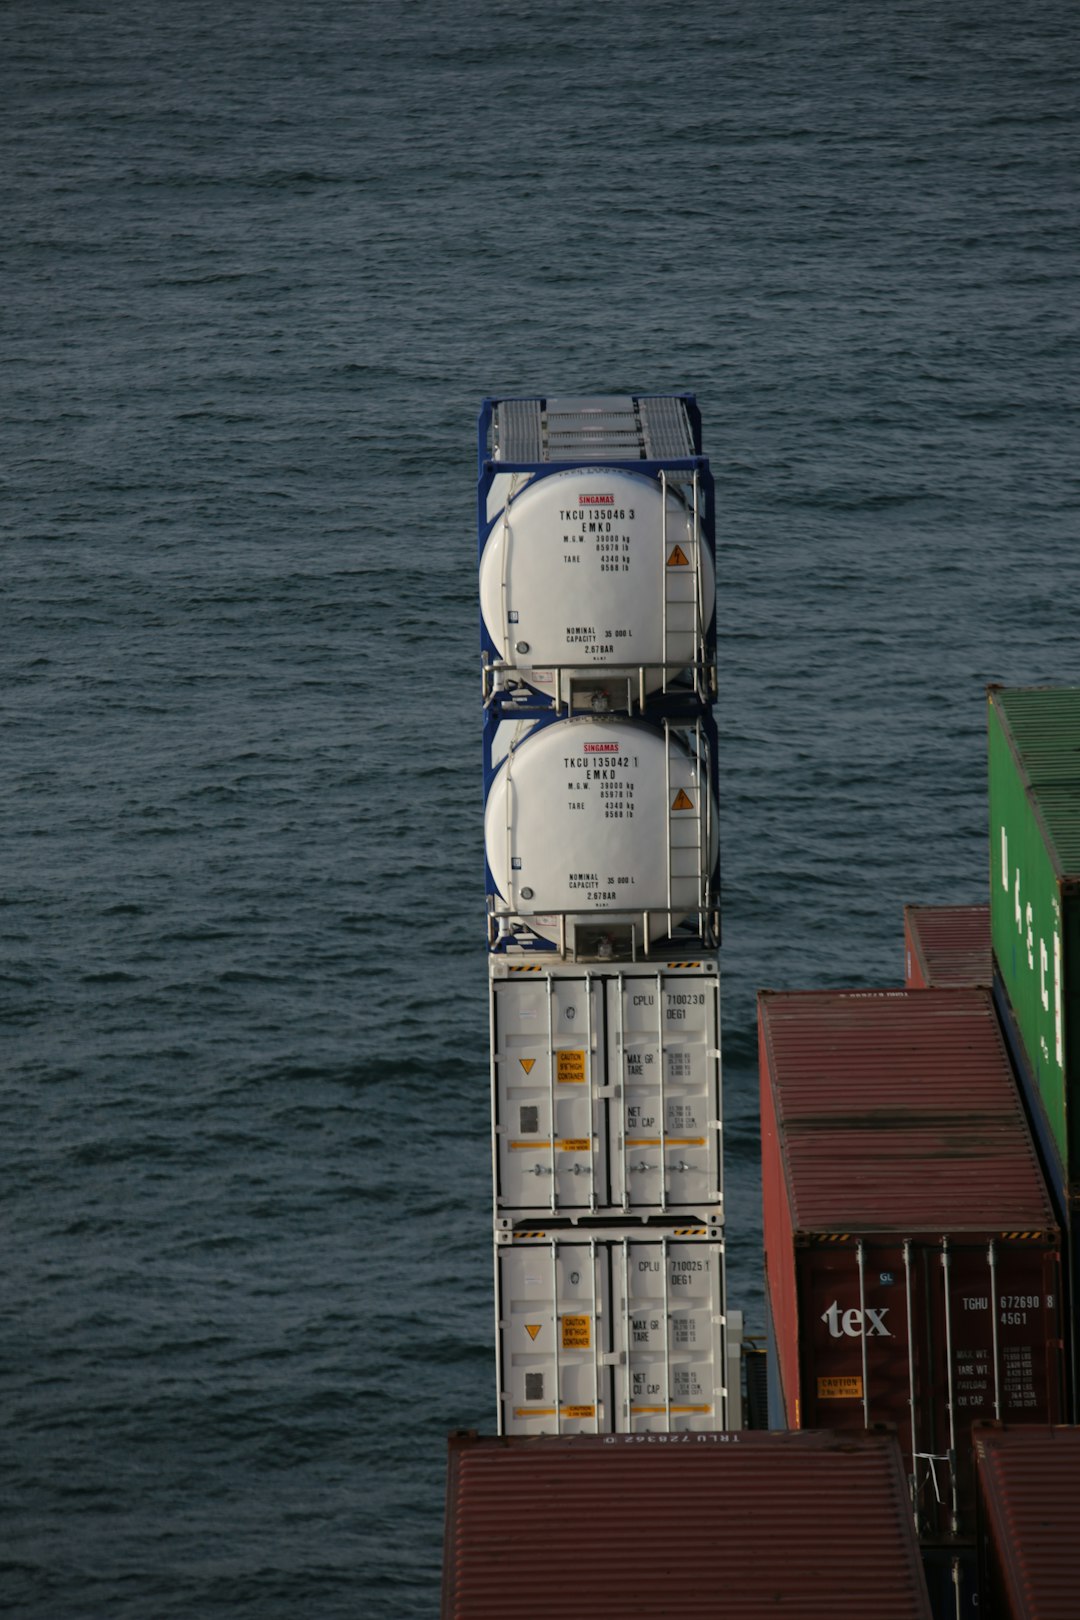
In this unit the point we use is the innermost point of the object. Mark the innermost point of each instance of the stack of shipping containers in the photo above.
(920, 1205)
(912, 1256)
(597, 591)
(914, 1222)
(693, 1526)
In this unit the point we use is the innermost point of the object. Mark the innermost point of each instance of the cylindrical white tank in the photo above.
(594, 568)
(600, 817)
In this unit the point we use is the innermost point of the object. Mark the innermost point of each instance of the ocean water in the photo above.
(261, 263)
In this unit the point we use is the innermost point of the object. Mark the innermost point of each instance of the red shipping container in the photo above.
(912, 1258)
(1029, 1511)
(633, 1526)
(947, 947)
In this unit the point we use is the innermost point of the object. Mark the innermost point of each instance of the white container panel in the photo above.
(548, 1064)
(626, 1062)
(666, 1149)
(671, 1295)
(551, 1334)
(614, 1332)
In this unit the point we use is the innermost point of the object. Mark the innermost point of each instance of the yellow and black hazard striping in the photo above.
(519, 1235)
(834, 1237)
(525, 970)
(1021, 1237)
(690, 1231)
(684, 964)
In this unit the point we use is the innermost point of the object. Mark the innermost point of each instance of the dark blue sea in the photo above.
(260, 262)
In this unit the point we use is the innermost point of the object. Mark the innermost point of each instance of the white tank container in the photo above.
(611, 818)
(605, 1091)
(611, 1331)
(597, 569)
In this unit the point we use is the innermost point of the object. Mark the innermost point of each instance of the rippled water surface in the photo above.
(261, 263)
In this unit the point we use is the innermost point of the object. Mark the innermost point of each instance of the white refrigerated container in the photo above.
(612, 1330)
(606, 1089)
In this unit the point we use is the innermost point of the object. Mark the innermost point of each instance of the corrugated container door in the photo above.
(549, 1070)
(932, 1336)
(554, 1342)
(671, 1298)
(666, 1151)
(616, 1331)
(606, 1092)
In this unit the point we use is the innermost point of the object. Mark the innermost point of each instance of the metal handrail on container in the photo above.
(493, 685)
(502, 921)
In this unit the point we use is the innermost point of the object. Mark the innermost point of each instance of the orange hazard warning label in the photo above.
(678, 558)
(533, 1328)
(577, 1332)
(579, 1411)
(683, 801)
(527, 1064)
(570, 1068)
(839, 1389)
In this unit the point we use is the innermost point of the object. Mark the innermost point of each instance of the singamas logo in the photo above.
(600, 748)
(596, 500)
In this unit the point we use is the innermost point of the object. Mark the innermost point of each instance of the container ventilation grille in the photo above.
(602, 428)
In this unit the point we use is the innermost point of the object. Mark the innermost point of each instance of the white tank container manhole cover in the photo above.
(593, 567)
(598, 816)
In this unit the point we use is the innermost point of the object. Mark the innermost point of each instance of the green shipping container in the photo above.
(1034, 746)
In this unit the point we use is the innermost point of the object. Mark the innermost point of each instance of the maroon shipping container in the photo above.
(912, 1257)
(633, 1526)
(1029, 1516)
(947, 947)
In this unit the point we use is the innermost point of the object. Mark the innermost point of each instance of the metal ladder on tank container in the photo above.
(675, 607)
(698, 815)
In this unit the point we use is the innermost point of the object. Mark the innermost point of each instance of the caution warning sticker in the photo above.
(678, 558)
(579, 1411)
(577, 1332)
(528, 1064)
(840, 1389)
(683, 801)
(570, 1068)
(532, 1329)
